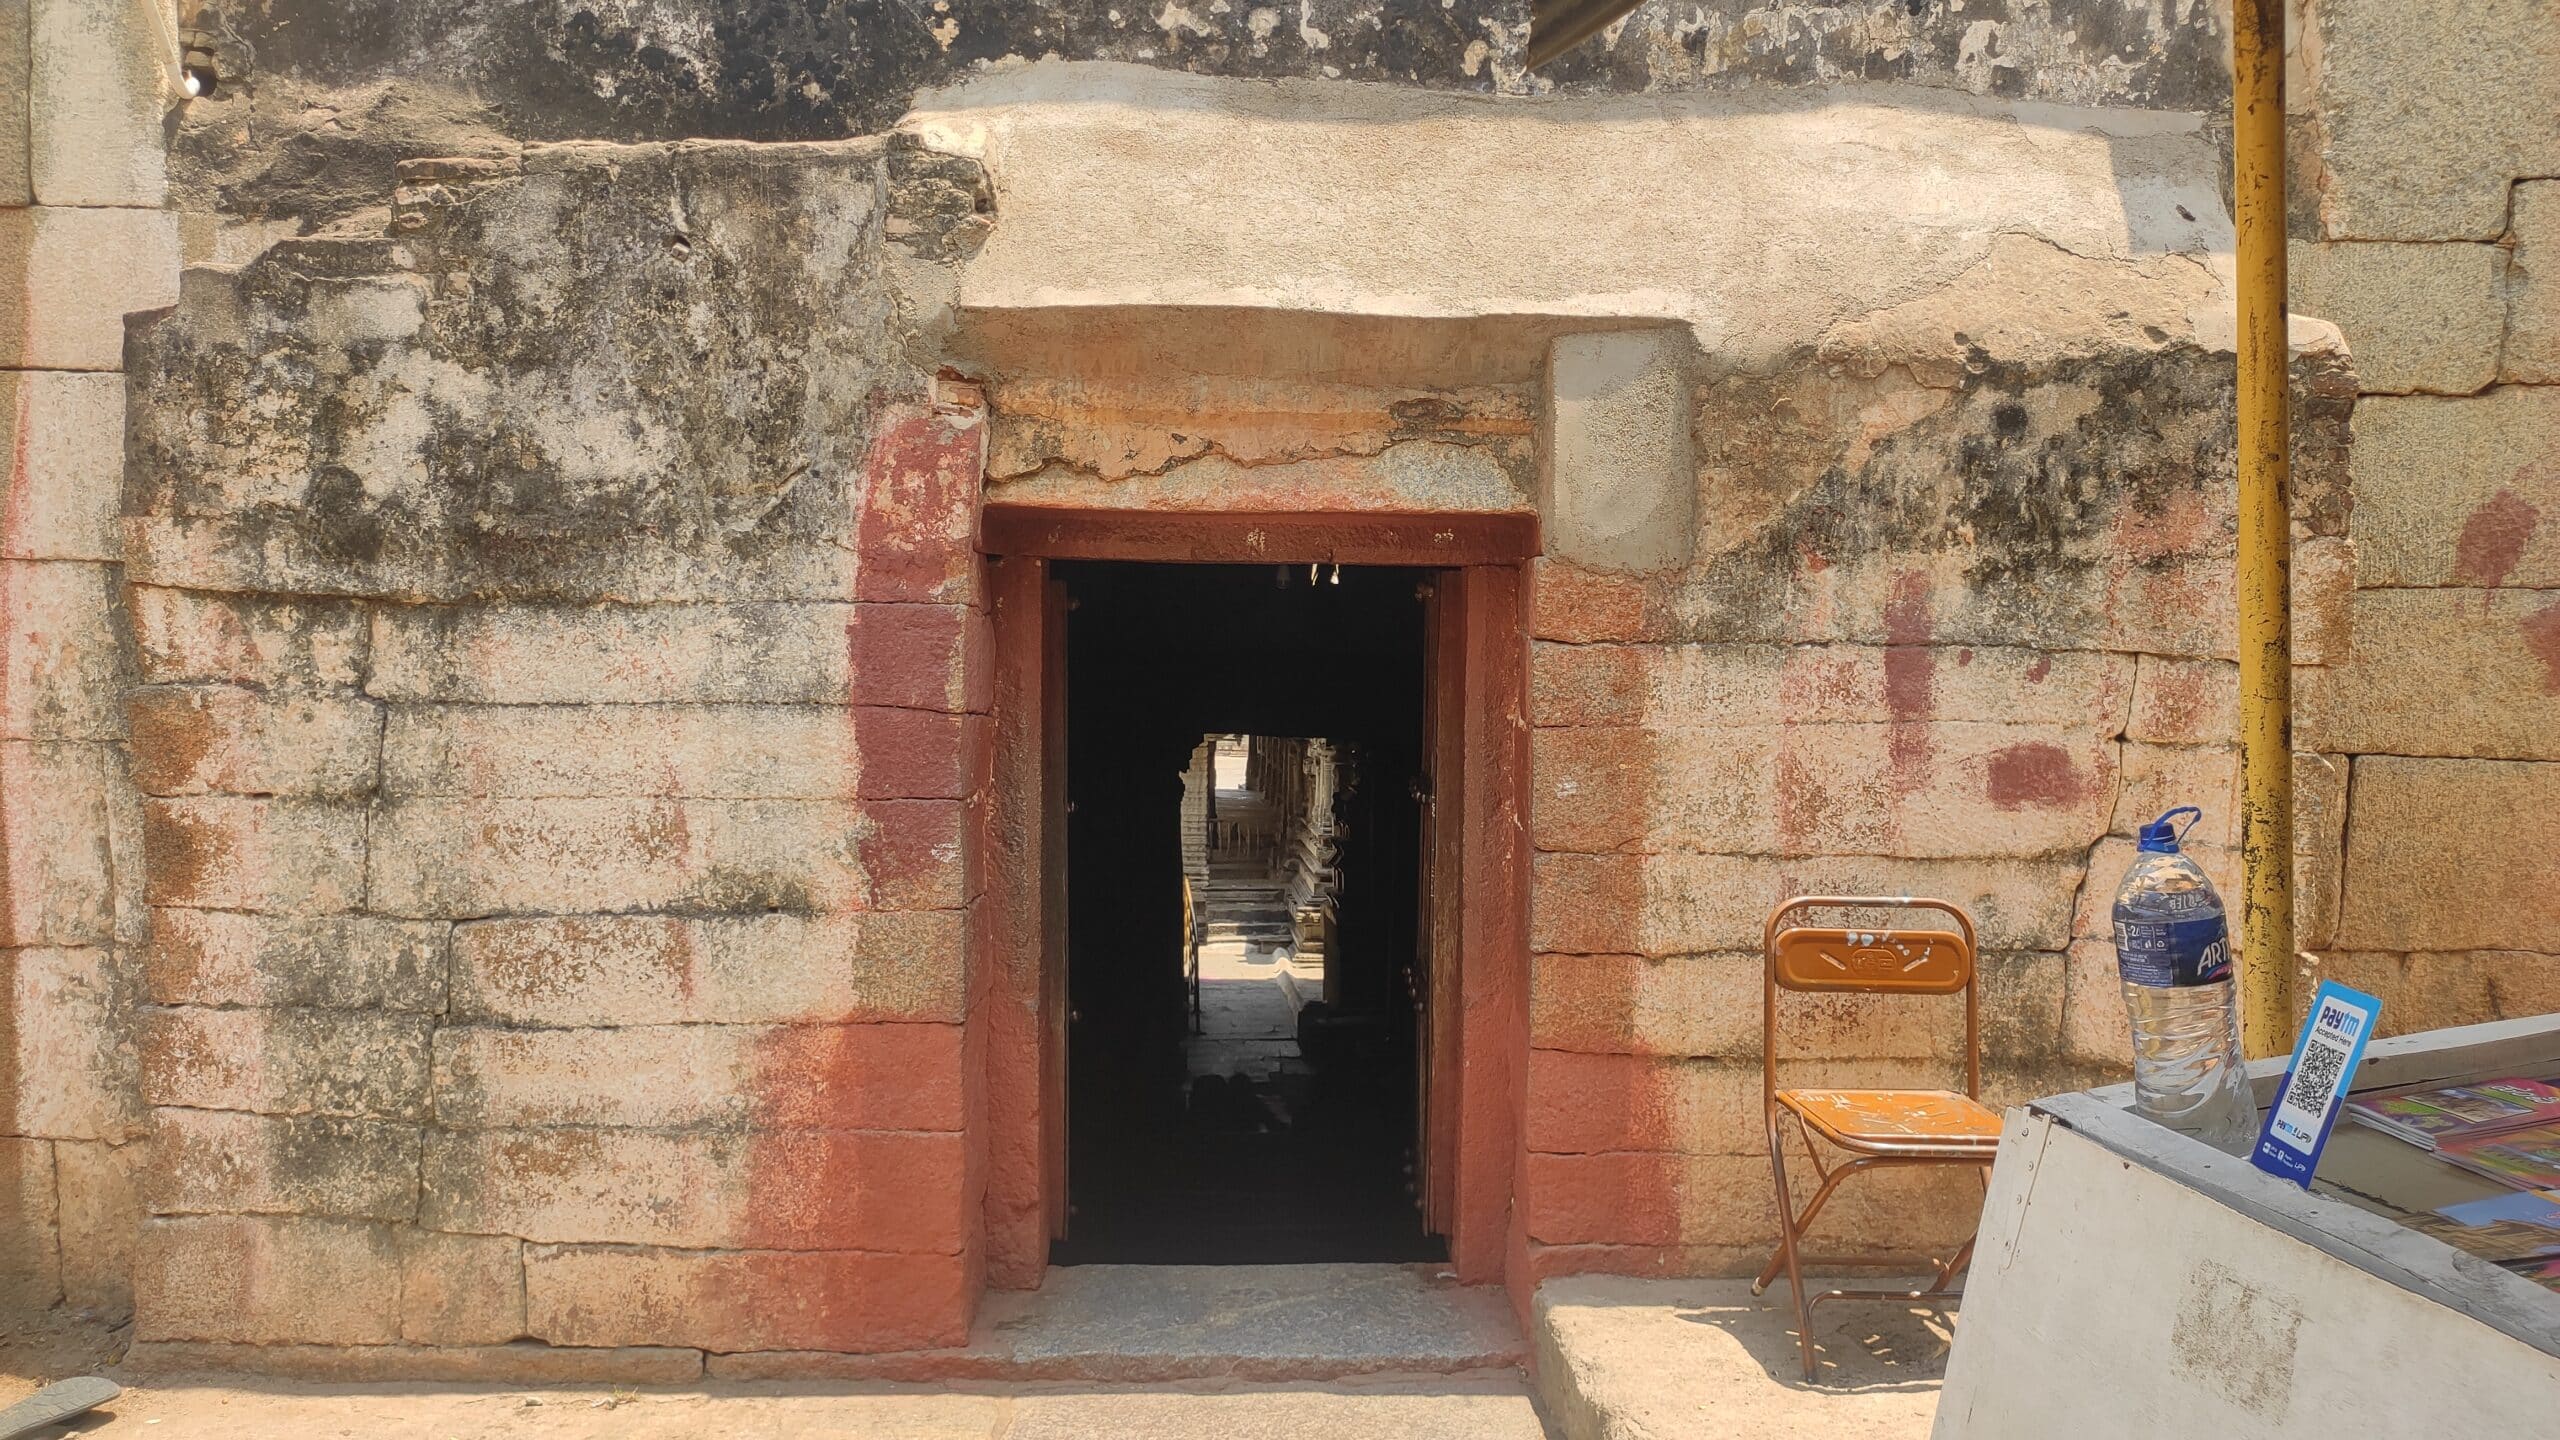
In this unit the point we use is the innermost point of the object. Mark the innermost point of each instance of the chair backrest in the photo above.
(1929, 959)
(1901, 962)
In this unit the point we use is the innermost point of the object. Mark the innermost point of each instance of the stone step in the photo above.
(1479, 1405)
(1143, 1323)
(1298, 992)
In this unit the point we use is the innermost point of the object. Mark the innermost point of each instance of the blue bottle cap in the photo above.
(2161, 837)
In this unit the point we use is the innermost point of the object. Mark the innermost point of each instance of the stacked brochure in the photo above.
(2506, 1229)
(2504, 1130)
(2429, 1119)
(2518, 1232)
(2528, 1159)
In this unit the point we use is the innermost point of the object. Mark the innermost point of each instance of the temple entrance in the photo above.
(1245, 982)
(1369, 674)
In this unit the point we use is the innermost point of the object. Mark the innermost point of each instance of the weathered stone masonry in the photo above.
(2427, 224)
(83, 241)
(1950, 614)
(558, 900)
(1973, 684)
(493, 801)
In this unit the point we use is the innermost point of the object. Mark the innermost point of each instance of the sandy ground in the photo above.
(1657, 1358)
(1483, 1406)
(1662, 1359)
(1707, 1358)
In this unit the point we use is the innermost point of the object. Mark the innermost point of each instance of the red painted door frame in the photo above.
(1018, 967)
(1479, 925)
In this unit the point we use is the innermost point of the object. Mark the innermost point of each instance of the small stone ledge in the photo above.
(1142, 1324)
(518, 1364)
(1094, 1324)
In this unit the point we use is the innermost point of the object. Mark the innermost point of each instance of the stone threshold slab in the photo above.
(1195, 1322)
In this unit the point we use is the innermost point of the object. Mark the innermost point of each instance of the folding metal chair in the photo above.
(1880, 1129)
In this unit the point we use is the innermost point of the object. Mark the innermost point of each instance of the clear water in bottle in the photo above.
(2173, 955)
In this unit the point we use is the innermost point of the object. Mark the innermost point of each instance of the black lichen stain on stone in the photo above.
(342, 525)
(2021, 481)
(288, 149)
(732, 891)
(828, 69)
(2078, 51)
(597, 373)
(335, 92)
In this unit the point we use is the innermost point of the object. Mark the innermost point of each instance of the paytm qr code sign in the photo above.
(2315, 1084)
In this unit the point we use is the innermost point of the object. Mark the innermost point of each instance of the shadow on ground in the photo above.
(1858, 1348)
(1706, 1357)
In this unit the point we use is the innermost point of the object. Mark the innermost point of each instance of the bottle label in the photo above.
(2192, 950)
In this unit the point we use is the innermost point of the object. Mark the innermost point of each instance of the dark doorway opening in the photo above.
(1269, 1119)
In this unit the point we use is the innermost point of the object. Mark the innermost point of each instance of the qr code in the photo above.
(2311, 1085)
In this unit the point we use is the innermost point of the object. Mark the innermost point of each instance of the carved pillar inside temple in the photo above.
(1307, 857)
(1199, 784)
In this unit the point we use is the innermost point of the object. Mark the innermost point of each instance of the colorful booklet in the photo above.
(2509, 1229)
(2545, 1273)
(2449, 1114)
(2533, 1207)
(2501, 1242)
(2528, 1159)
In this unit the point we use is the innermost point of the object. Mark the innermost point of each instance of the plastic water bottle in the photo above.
(2173, 954)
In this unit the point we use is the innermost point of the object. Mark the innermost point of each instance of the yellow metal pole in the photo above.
(2266, 660)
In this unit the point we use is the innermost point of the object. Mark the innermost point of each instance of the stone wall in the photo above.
(775, 69)
(324, 97)
(488, 806)
(82, 242)
(549, 619)
(2427, 225)
(1954, 639)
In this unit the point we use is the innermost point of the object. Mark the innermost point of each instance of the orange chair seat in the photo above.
(1899, 1122)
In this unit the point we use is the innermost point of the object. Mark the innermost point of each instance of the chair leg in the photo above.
(1954, 1267)
(1778, 1256)
(1802, 1224)
(1787, 1253)
(1964, 1253)
(1831, 1179)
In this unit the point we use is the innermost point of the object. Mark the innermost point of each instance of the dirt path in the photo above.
(1482, 1406)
